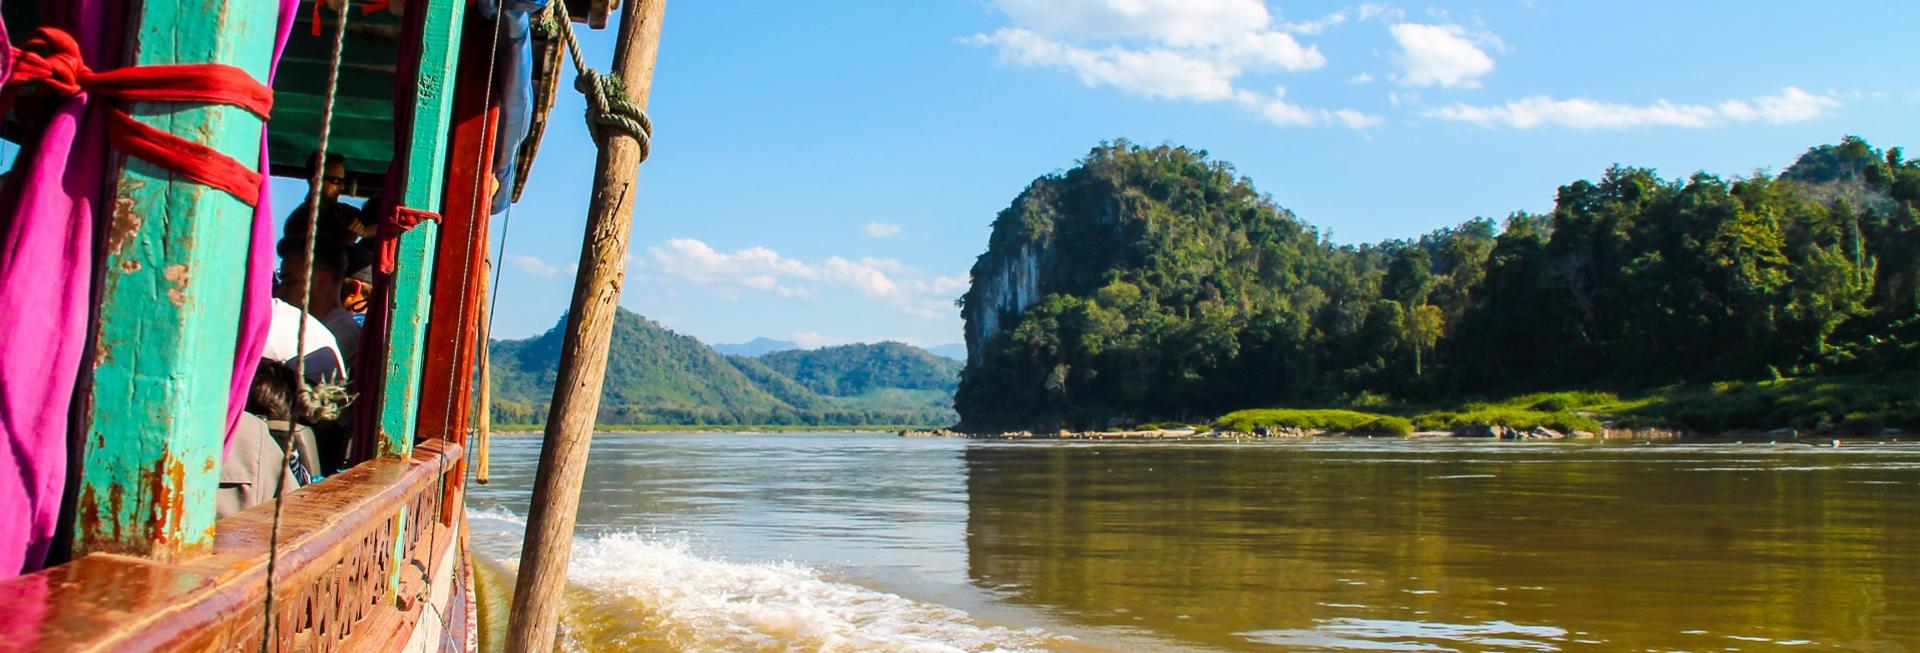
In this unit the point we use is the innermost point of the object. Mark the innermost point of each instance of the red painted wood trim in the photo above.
(447, 375)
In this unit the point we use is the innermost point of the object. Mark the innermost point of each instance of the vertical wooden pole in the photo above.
(483, 391)
(446, 385)
(170, 301)
(583, 356)
(426, 163)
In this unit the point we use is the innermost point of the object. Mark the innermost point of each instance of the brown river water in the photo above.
(868, 542)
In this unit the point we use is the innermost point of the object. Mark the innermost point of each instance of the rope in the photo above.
(480, 174)
(306, 297)
(608, 105)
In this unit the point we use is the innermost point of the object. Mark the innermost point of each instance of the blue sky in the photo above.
(827, 171)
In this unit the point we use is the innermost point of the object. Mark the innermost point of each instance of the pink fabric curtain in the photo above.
(256, 305)
(48, 217)
(46, 281)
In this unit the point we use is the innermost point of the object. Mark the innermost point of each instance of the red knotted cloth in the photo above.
(52, 59)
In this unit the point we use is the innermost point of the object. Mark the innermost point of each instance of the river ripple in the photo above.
(873, 542)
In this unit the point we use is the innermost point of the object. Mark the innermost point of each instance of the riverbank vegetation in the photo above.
(1154, 285)
(1855, 404)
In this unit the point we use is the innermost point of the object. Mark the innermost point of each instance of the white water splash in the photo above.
(707, 604)
(656, 586)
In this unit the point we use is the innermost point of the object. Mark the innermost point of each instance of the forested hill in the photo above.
(656, 376)
(1156, 284)
(853, 370)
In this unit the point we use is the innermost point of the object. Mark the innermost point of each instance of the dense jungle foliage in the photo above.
(658, 377)
(1168, 288)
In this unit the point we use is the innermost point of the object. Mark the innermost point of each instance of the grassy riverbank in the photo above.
(519, 429)
(1862, 404)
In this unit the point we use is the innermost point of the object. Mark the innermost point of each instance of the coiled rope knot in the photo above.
(608, 107)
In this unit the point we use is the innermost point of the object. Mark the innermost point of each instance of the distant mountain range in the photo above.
(755, 347)
(658, 377)
(763, 345)
(956, 351)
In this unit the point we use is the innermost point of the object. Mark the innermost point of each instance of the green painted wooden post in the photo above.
(170, 301)
(426, 163)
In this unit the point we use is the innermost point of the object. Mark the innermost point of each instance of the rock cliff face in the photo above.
(1026, 257)
(1010, 284)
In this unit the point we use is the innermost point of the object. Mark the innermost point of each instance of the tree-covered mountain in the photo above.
(656, 376)
(1155, 284)
(853, 370)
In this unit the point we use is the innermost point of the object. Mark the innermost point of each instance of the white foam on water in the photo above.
(498, 514)
(704, 604)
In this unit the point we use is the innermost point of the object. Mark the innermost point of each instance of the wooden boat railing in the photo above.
(364, 560)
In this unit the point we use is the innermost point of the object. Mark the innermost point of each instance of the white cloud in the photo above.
(889, 282)
(1361, 13)
(882, 231)
(536, 267)
(1362, 78)
(755, 268)
(1790, 105)
(1317, 25)
(1195, 50)
(1372, 10)
(1177, 22)
(1155, 72)
(1276, 109)
(1438, 55)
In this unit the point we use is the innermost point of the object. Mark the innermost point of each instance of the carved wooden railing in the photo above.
(355, 570)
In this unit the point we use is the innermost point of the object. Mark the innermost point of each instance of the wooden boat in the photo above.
(372, 558)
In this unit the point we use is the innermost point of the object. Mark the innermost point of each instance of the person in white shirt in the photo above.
(324, 362)
(329, 273)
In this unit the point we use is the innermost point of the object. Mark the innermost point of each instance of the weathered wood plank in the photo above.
(447, 377)
(170, 302)
(337, 552)
(427, 157)
(583, 354)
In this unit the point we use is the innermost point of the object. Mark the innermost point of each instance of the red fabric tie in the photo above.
(52, 58)
(397, 222)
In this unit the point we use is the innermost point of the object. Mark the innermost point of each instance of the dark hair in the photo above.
(271, 395)
(328, 253)
(331, 158)
(360, 262)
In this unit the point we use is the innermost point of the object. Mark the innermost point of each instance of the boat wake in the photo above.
(634, 592)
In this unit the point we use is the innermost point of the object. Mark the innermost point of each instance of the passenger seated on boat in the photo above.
(272, 397)
(357, 289)
(339, 220)
(254, 469)
(324, 362)
(329, 272)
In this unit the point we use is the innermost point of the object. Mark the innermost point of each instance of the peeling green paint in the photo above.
(426, 165)
(170, 302)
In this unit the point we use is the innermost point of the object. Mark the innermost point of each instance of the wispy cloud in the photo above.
(889, 282)
(1276, 109)
(1790, 105)
(1194, 50)
(536, 267)
(1363, 12)
(882, 231)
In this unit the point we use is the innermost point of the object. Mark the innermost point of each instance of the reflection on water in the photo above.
(867, 542)
(1406, 546)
